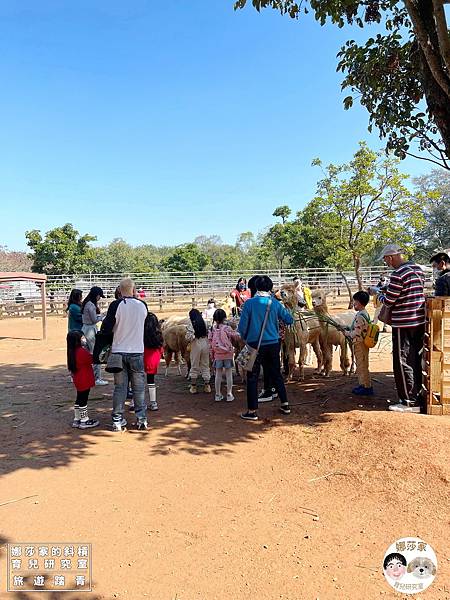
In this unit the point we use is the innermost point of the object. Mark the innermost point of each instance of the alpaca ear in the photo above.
(433, 572)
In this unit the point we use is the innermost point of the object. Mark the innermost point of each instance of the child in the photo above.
(357, 333)
(153, 349)
(79, 363)
(220, 338)
(196, 335)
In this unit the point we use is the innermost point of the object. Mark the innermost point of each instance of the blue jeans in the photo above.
(133, 371)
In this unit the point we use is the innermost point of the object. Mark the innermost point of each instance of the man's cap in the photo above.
(391, 250)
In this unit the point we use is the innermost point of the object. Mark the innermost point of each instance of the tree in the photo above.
(433, 192)
(61, 250)
(395, 71)
(14, 261)
(362, 205)
(186, 258)
(283, 212)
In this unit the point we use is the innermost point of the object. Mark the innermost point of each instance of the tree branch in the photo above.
(427, 48)
(442, 32)
(445, 165)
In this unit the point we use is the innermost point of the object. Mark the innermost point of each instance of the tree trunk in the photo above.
(436, 98)
(347, 285)
(357, 267)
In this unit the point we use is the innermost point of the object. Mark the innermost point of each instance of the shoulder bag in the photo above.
(247, 356)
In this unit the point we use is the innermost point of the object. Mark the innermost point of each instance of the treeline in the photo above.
(358, 207)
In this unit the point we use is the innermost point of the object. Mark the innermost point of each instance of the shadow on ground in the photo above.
(36, 414)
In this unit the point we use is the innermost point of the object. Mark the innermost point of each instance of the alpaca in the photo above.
(305, 330)
(175, 344)
(330, 336)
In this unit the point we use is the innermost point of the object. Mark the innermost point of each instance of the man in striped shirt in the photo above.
(405, 297)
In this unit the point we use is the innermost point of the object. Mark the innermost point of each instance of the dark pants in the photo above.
(82, 398)
(269, 358)
(268, 386)
(407, 343)
(150, 378)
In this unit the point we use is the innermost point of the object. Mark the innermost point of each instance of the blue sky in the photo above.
(161, 121)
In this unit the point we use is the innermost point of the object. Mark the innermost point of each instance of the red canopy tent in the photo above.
(37, 278)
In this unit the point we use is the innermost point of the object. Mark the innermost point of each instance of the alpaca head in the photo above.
(319, 300)
(287, 295)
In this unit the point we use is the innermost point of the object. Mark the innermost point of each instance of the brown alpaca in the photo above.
(329, 335)
(175, 345)
(305, 330)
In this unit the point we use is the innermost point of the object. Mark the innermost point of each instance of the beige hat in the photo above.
(391, 250)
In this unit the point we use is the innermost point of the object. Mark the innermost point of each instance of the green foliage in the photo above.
(433, 193)
(360, 206)
(394, 72)
(61, 250)
(186, 258)
(283, 212)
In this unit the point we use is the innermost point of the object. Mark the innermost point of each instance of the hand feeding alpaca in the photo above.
(330, 335)
(305, 330)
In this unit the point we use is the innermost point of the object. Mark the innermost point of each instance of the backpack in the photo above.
(372, 334)
(220, 340)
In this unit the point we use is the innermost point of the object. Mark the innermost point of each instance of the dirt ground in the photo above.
(207, 506)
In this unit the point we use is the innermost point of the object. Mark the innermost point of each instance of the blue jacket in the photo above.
(75, 319)
(252, 318)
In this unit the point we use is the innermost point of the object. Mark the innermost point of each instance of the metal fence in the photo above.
(177, 291)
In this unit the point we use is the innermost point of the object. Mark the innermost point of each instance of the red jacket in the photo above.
(83, 378)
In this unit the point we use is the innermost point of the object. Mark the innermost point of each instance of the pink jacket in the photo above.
(220, 341)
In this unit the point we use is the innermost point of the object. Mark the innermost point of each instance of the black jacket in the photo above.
(442, 287)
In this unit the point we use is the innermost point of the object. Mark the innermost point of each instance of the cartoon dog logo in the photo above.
(395, 565)
(422, 567)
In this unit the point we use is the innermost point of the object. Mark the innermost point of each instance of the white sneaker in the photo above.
(218, 398)
(230, 397)
(404, 408)
(153, 405)
(101, 382)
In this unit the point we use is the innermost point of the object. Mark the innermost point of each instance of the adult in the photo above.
(298, 289)
(90, 314)
(240, 294)
(404, 296)
(250, 327)
(73, 311)
(125, 321)
(441, 262)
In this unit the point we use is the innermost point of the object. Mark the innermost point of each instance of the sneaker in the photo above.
(265, 396)
(284, 408)
(142, 425)
(249, 416)
(405, 408)
(89, 424)
(193, 389)
(153, 405)
(101, 382)
(363, 391)
(218, 398)
(76, 423)
(230, 397)
(119, 425)
(207, 388)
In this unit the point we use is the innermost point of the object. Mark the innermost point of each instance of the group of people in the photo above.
(137, 342)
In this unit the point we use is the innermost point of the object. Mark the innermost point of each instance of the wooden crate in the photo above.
(436, 356)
